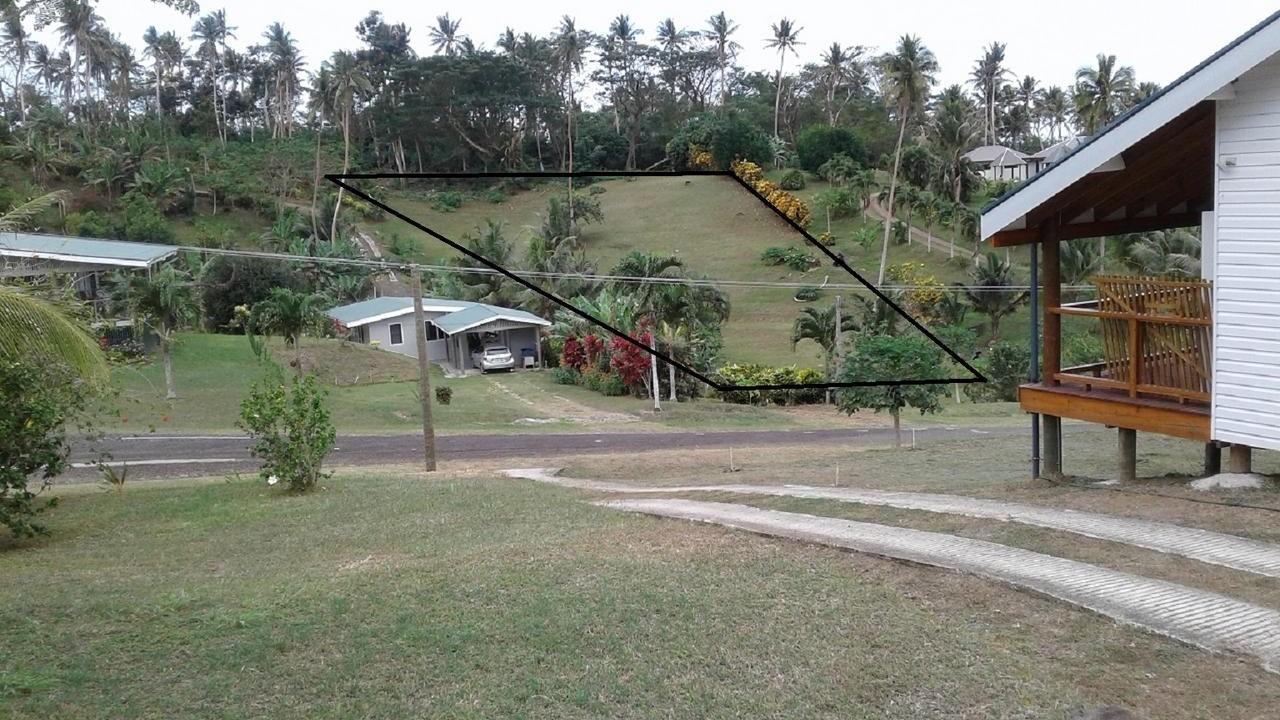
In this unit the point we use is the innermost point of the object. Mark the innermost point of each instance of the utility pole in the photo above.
(837, 350)
(424, 373)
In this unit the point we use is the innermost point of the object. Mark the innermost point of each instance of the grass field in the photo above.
(373, 391)
(712, 223)
(392, 594)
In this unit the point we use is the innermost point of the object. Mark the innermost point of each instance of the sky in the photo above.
(1161, 39)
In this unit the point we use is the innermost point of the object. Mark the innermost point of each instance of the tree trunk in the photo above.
(777, 98)
(653, 372)
(170, 389)
(671, 380)
(897, 428)
(893, 188)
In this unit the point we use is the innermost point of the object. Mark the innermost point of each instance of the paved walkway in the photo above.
(1262, 558)
(1204, 619)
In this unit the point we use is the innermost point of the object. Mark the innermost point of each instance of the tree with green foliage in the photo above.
(645, 274)
(819, 326)
(289, 428)
(163, 301)
(992, 292)
(1102, 92)
(35, 329)
(818, 144)
(880, 358)
(1168, 253)
(785, 37)
(289, 314)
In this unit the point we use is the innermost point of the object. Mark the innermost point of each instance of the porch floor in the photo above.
(1114, 408)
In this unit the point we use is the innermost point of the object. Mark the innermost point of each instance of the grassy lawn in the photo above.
(391, 594)
(375, 391)
(716, 227)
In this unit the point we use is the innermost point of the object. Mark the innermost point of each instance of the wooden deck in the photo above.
(1116, 408)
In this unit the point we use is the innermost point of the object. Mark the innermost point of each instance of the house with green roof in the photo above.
(25, 254)
(455, 329)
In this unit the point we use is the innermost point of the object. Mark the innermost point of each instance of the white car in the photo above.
(493, 357)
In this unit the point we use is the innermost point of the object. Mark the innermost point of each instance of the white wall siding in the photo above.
(1246, 263)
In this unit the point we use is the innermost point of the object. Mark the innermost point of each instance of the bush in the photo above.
(744, 374)
(141, 221)
(817, 144)
(792, 180)
(444, 394)
(1081, 349)
(1006, 366)
(289, 427)
(727, 136)
(38, 403)
(446, 200)
(808, 294)
(565, 375)
(794, 258)
(605, 382)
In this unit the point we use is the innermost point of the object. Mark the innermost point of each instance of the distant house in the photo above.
(997, 162)
(455, 328)
(34, 254)
(1039, 161)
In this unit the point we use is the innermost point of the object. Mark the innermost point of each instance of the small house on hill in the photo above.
(454, 328)
(34, 254)
(997, 162)
(1195, 358)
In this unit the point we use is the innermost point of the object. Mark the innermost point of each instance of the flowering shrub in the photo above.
(700, 158)
(752, 374)
(630, 362)
(790, 205)
(289, 427)
(572, 354)
(593, 349)
(924, 294)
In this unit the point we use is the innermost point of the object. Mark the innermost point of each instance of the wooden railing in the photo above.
(1156, 337)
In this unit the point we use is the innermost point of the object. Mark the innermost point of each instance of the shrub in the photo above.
(726, 136)
(1006, 366)
(792, 180)
(444, 394)
(495, 195)
(827, 239)
(142, 221)
(565, 375)
(743, 374)
(1081, 349)
(789, 205)
(38, 403)
(817, 144)
(808, 294)
(446, 200)
(289, 427)
(228, 282)
(794, 258)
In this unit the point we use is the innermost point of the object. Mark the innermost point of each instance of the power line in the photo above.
(584, 277)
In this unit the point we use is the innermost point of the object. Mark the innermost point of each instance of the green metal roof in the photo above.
(115, 253)
(460, 315)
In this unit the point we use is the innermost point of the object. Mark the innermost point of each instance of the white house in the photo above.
(1198, 359)
(454, 328)
(33, 254)
(997, 162)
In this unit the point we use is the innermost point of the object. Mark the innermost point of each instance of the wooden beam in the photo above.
(1115, 410)
(1051, 277)
(1142, 174)
(1009, 238)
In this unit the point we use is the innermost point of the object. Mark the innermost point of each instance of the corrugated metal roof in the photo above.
(64, 248)
(993, 153)
(460, 314)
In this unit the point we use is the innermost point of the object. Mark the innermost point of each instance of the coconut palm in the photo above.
(819, 325)
(992, 291)
(1103, 92)
(164, 301)
(645, 274)
(719, 29)
(1174, 253)
(908, 74)
(785, 39)
(1054, 108)
(988, 78)
(570, 44)
(348, 80)
(17, 44)
(80, 26)
(840, 68)
(289, 314)
(20, 217)
(32, 328)
(1079, 262)
(953, 130)
(212, 32)
(444, 36)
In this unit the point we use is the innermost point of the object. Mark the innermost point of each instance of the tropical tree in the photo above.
(1173, 253)
(785, 39)
(885, 357)
(645, 277)
(819, 325)
(953, 130)
(993, 292)
(212, 32)
(1079, 261)
(348, 80)
(163, 301)
(570, 44)
(21, 216)
(1103, 92)
(17, 43)
(988, 78)
(1054, 110)
(289, 314)
(719, 30)
(445, 37)
(842, 74)
(908, 73)
(35, 328)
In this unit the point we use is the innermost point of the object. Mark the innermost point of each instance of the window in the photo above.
(397, 334)
(434, 333)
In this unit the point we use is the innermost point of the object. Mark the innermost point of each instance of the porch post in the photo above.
(1241, 459)
(1051, 359)
(1212, 459)
(1033, 372)
(1128, 455)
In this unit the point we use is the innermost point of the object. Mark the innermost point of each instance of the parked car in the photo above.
(493, 357)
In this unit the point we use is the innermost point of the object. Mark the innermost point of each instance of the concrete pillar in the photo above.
(1241, 459)
(1212, 459)
(1052, 437)
(1128, 455)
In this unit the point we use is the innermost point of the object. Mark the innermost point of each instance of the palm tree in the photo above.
(445, 37)
(785, 40)
(21, 216)
(1079, 262)
(81, 27)
(988, 77)
(993, 292)
(288, 313)
(645, 273)
(16, 41)
(819, 325)
(1103, 92)
(164, 301)
(348, 79)
(35, 329)
(570, 44)
(1053, 109)
(1175, 253)
(953, 130)
(212, 32)
(840, 68)
(284, 64)
(719, 28)
(908, 74)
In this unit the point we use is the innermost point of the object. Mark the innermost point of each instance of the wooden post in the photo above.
(1241, 459)
(836, 349)
(1033, 371)
(1212, 459)
(424, 374)
(1128, 455)
(1051, 357)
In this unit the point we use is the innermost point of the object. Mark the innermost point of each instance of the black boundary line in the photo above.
(339, 178)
